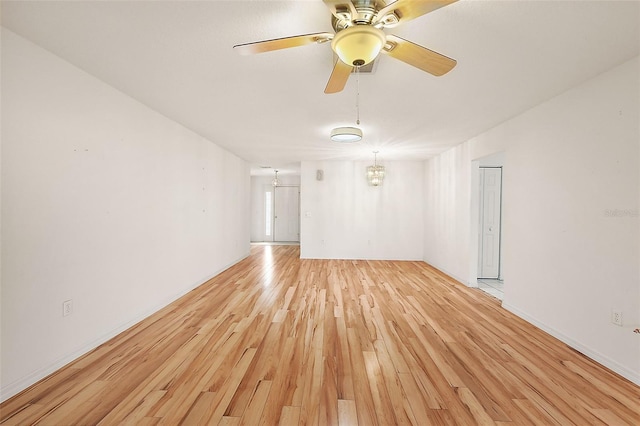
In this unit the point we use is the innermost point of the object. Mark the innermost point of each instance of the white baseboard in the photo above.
(607, 362)
(12, 389)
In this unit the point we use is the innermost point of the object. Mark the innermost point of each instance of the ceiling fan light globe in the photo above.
(359, 44)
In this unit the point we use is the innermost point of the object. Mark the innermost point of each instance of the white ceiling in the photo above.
(177, 58)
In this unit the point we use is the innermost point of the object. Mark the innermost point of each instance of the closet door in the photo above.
(490, 216)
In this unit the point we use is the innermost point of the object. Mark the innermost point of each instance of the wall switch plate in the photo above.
(616, 317)
(67, 307)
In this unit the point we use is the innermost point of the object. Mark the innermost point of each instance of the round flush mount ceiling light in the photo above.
(346, 134)
(358, 45)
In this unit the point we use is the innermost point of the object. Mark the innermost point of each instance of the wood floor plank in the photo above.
(76, 410)
(289, 416)
(536, 414)
(364, 400)
(347, 412)
(264, 360)
(143, 408)
(283, 385)
(477, 409)
(253, 413)
(485, 386)
(224, 396)
(383, 403)
(344, 375)
(276, 339)
(201, 409)
(391, 381)
(415, 399)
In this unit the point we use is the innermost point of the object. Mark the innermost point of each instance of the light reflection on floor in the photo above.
(268, 257)
(267, 261)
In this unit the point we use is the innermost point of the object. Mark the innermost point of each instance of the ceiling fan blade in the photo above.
(282, 43)
(411, 9)
(418, 56)
(339, 77)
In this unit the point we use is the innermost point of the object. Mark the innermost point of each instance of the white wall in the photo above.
(105, 202)
(344, 218)
(571, 223)
(258, 185)
(446, 215)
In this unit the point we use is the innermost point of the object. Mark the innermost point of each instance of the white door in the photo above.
(287, 213)
(490, 215)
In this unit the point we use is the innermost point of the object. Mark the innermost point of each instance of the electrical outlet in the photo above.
(67, 307)
(616, 317)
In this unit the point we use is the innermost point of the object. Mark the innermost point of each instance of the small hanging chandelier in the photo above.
(375, 173)
(275, 182)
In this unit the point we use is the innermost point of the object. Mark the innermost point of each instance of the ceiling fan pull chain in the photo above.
(358, 94)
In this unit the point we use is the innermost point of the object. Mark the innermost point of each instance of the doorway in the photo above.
(487, 232)
(267, 202)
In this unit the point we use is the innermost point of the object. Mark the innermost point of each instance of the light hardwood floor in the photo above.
(279, 340)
